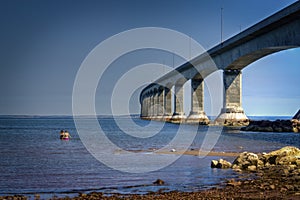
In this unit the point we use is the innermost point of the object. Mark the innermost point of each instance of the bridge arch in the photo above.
(252, 57)
(272, 75)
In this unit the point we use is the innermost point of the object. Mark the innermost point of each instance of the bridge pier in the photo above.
(152, 106)
(167, 104)
(197, 114)
(147, 106)
(178, 115)
(155, 105)
(160, 104)
(143, 108)
(232, 113)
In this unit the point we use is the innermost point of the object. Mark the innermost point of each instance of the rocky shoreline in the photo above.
(273, 175)
(273, 126)
(292, 125)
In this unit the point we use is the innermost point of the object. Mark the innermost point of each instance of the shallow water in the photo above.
(34, 160)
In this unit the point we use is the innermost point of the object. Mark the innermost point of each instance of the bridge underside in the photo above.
(278, 32)
(246, 60)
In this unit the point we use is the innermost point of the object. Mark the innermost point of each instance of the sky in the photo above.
(44, 43)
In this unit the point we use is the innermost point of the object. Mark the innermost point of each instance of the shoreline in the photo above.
(191, 152)
(276, 176)
(268, 182)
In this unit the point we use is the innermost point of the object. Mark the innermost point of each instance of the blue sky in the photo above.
(43, 44)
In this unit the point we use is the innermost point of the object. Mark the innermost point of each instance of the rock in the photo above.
(298, 161)
(277, 129)
(296, 125)
(237, 170)
(260, 163)
(224, 164)
(267, 164)
(287, 157)
(82, 195)
(272, 187)
(289, 187)
(221, 164)
(273, 126)
(252, 168)
(267, 129)
(214, 164)
(286, 172)
(295, 130)
(37, 197)
(286, 160)
(283, 156)
(234, 183)
(244, 160)
(283, 190)
(159, 182)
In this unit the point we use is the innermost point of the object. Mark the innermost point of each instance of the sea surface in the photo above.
(33, 160)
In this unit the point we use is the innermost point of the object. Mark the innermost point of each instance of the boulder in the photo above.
(221, 164)
(244, 160)
(296, 125)
(234, 183)
(159, 182)
(273, 126)
(214, 164)
(252, 168)
(284, 156)
(287, 157)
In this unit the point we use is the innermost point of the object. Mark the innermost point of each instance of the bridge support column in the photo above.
(147, 107)
(178, 115)
(143, 108)
(197, 114)
(167, 104)
(232, 113)
(151, 106)
(160, 104)
(155, 105)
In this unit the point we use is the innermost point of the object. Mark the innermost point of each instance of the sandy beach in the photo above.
(201, 153)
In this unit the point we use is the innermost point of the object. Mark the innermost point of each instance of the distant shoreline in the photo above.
(251, 117)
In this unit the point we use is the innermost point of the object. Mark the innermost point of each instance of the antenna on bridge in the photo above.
(221, 24)
(190, 48)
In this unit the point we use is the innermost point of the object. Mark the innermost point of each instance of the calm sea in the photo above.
(34, 160)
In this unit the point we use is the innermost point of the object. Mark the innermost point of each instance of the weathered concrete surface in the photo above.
(178, 115)
(197, 114)
(232, 113)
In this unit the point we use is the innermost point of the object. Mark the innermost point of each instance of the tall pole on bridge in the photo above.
(221, 24)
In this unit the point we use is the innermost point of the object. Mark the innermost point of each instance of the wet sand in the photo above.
(193, 152)
(201, 153)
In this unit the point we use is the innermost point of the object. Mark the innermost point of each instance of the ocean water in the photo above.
(34, 160)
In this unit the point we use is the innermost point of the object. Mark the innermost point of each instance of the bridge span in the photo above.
(277, 32)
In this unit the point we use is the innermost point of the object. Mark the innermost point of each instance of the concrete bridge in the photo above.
(278, 32)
